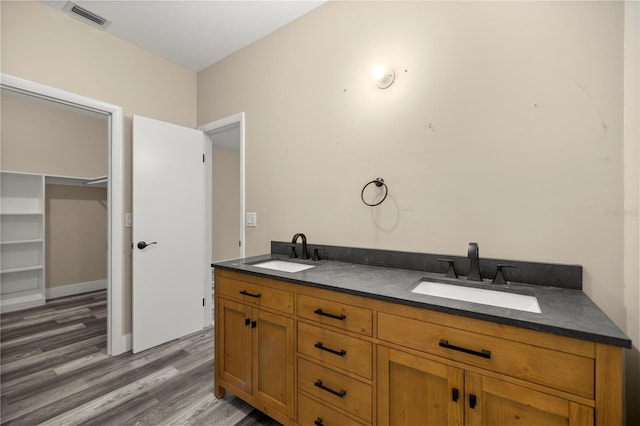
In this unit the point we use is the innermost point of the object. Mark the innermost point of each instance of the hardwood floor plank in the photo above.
(123, 413)
(37, 337)
(54, 370)
(109, 400)
(38, 358)
(46, 363)
(29, 403)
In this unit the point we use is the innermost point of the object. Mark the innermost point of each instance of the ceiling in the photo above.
(194, 34)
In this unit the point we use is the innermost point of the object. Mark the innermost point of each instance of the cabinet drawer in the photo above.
(337, 389)
(255, 294)
(555, 369)
(336, 314)
(311, 413)
(345, 352)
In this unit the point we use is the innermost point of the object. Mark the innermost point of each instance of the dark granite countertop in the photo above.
(566, 312)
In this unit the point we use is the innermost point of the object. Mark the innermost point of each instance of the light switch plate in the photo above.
(252, 219)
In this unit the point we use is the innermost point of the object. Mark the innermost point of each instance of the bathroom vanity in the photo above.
(344, 343)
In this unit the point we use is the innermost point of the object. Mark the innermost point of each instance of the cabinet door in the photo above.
(417, 391)
(233, 356)
(490, 401)
(274, 361)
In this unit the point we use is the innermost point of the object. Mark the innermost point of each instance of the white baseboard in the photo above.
(20, 303)
(71, 289)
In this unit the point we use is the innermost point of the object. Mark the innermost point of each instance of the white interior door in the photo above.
(168, 232)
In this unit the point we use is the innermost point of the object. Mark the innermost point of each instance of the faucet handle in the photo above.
(316, 253)
(499, 278)
(451, 271)
(292, 253)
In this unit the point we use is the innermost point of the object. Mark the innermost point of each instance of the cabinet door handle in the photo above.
(483, 353)
(455, 394)
(246, 293)
(318, 422)
(247, 321)
(341, 393)
(341, 352)
(253, 324)
(341, 317)
(472, 401)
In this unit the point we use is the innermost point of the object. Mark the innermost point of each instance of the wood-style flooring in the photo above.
(54, 370)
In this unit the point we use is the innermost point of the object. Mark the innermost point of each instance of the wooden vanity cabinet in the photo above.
(335, 360)
(412, 389)
(316, 357)
(493, 375)
(255, 349)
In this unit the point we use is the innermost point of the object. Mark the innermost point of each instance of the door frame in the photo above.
(115, 189)
(209, 129)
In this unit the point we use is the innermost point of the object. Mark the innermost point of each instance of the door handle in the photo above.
(142, 244)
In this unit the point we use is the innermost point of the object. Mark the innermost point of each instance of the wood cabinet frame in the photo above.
(603, 409)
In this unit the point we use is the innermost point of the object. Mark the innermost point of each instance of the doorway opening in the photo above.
(115, 340)
(224, 195)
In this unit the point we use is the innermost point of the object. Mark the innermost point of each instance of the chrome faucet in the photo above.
(474, 263)
(304, 244)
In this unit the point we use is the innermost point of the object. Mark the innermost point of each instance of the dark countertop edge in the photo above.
(576, 334)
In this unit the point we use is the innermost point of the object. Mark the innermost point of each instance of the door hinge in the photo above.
(239, 243)
(203, 158)
(203, 301)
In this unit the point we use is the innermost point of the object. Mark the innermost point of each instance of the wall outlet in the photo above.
(252, 219)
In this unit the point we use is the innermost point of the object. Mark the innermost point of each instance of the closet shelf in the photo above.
(22, 242)
(22, 269)
(22, 247)
(99, 182)
(21, 213)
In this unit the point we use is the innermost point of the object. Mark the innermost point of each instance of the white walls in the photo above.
(505, 126)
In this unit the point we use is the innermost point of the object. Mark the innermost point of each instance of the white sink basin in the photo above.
(502, 299)
(283, 265)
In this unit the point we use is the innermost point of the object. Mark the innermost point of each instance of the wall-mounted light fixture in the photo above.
(383, 76)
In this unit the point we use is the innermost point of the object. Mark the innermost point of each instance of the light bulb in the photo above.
(379, 72)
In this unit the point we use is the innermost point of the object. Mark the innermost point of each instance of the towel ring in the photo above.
(378, 182)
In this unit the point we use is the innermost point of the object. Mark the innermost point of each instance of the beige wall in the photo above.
(504, 126)
(632, 197)
(76, 234)
(40, 137)
(226, 203)
(41, 44)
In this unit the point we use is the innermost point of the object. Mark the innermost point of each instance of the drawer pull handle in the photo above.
(318, 422)
(472, 401)
(341, 393)
(246, 293)
(341, 352)
(324, 314)
(483, 353)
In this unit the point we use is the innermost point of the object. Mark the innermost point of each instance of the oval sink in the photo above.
(521, 302)
(283, 265)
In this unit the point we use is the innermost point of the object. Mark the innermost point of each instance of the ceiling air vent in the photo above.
(86, 16)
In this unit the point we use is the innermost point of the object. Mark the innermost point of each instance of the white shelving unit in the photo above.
(21, 241)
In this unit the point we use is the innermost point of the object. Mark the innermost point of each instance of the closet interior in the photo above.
(53, 201)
